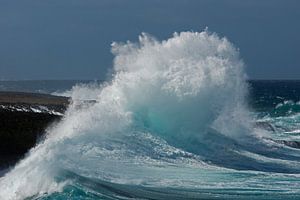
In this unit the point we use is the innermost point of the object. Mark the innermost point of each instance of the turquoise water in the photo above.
(177, 121)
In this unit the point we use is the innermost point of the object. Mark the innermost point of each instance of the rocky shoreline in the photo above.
(23, 120)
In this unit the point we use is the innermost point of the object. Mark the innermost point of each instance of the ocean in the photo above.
(178, 120)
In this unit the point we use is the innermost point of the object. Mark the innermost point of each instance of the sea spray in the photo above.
(161, 93)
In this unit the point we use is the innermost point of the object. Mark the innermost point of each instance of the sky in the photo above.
(70, 39)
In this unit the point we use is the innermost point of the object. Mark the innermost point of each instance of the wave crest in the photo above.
(176, 89)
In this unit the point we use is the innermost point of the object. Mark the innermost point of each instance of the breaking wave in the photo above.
(172, 116)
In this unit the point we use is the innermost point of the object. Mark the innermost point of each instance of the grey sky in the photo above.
(70, 39)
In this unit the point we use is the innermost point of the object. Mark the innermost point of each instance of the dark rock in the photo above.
(20, 130)
(22, 124)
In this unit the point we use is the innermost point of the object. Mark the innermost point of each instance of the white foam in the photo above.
(176, 88)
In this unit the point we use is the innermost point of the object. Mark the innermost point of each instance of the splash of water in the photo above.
(168, 92)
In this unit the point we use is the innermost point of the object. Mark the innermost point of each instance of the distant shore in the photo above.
(32, 98)
(23, 120)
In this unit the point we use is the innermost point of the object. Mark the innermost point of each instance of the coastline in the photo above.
(32, 98)
(23, 120)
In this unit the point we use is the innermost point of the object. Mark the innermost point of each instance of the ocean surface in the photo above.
(177, 120)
